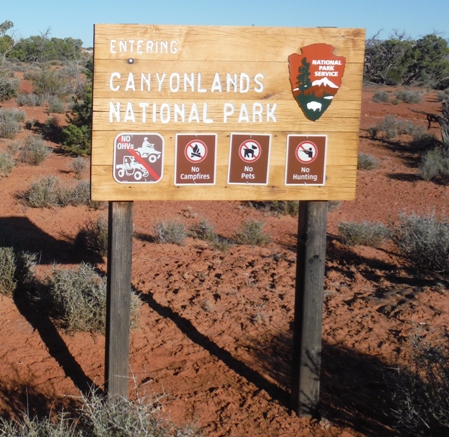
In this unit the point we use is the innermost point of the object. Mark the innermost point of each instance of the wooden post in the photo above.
(118, 298)
(308, 307)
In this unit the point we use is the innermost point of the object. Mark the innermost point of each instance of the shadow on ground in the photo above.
(23, 235)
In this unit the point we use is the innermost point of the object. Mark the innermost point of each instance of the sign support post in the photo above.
(120, 230)
(307, 331)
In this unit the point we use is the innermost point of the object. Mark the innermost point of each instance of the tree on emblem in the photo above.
(303, 78)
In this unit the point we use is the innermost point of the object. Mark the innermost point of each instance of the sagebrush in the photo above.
(93, 236)
(363, 233)
(170, 232)
(423, 240)
(76, 299)
(252, 233)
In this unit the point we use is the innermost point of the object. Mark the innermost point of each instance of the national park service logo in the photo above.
(315, 77)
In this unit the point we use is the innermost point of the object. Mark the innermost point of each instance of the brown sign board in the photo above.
(195, 92)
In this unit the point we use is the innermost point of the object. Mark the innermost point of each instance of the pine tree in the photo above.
(303, 79)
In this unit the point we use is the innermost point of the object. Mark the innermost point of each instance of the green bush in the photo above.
(366, 162)
(424, 241)
(170, 232)
(409, 96)
(76, 299)
(93, 236)
(34, 150)
(381, 97)
(10, 120)
(77, 139)
(7, 163)
(363, 233)
(435, 166)
(251, 232)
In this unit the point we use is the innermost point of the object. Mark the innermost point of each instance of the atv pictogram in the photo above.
(131, 168)
(147, 150)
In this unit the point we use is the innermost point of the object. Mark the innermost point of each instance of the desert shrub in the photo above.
(277, 207)
(435, 166)
(443, 95)
(363, 233)
(48, 192)
(7, 163)
(409, 96)
(78, 194)
(7, 270)
(76, 299)
(10, 120)
(251, 232)
(423, 141)
(42, 193)
(170, 232)
(29, 99)
(29, 124)
(93, 236)
(391, 127)
(9, 87)
(204, 230)
(55, 105)
(424, 241)
(381, 97)
(47, 427)
(51, 130)
(78, 165)
(48, 83)
(366, 161)
(97, 418)
(420, 401)
(34, 150)
(15, 268)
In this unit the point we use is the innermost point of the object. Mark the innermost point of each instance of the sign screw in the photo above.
(130, 61)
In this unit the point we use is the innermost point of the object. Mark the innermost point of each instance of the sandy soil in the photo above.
(215, 327)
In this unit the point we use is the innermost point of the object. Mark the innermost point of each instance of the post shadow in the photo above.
(223, 355)
(54, 342)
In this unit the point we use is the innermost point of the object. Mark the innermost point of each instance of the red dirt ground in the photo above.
(214, 332)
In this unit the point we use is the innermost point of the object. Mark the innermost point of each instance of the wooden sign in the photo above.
(170, 84)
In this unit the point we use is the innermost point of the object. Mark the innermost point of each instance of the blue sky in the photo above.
(76, 18)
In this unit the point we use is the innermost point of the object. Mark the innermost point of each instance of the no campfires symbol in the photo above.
(306, 152)
(196, 151)
(249, 151)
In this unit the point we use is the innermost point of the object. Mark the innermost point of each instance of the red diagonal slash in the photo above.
(155, 176)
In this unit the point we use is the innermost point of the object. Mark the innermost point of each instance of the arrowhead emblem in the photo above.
(315, 78)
